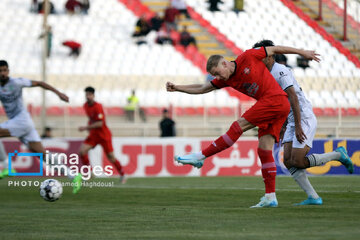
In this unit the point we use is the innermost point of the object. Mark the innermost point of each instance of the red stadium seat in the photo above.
(318, 111)
(55, 111)
(214, 111)
(175, 36)
(153, 111)
(353, 112)
(191, 111)
(76, 111)
(179, 111)
(114, 111)
(200, 110)
(180, 48)
(36, 111)
(191, 51)
(343, 111)
(330, 112)
(227, 111)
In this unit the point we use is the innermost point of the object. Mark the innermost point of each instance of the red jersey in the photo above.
(251, 76)
(95, 113)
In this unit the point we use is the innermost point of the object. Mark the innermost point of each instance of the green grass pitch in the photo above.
(182, 208)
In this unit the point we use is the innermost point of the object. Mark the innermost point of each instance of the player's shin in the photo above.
(299, 175)
(3, 161)
(3, 155)
(118, 167)
(85, 159)
(268, 170)
(225, 141)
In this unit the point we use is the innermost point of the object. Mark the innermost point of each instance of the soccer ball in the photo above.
(51, 190)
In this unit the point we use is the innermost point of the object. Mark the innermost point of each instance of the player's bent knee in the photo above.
(298, 162)
(244, 124)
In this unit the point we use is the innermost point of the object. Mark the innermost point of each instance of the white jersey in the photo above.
(11, 96)
(283, 75)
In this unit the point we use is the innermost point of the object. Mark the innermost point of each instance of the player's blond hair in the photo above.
(213, 61)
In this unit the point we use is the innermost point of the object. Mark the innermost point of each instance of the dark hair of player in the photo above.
(264, 43)
(3, 63)
(90, 90)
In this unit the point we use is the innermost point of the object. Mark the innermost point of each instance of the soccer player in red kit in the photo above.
(249, 75)
(99, 132)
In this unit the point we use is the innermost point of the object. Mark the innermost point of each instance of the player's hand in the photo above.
(282, 132)
(281, 137)
(81, 129)
(63, 97)
(311, 55)
(170, 87)
(300, 135)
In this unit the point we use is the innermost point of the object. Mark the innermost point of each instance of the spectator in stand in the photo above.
(34, 6)
(181, 6)
(41, 7)
(238, 5)
(85, 6)
(170, 18)
(132, 107)
(214, 5)
(156, 22)
(72, 6)
(49, 33)
(74, 46)
(302, 62)
(142, 27)
(164, 36)
(47, 133)
(186, 39)
(167, 125)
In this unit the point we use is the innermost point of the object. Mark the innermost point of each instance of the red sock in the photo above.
(118, 167)
(85, 159)
(268, 169)
(225, 141)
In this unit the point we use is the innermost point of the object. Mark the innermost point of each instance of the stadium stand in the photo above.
(334, 68)
(112, 54)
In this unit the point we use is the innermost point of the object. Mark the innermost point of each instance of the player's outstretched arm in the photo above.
(46, 86)
(190, 89)
(308, 54)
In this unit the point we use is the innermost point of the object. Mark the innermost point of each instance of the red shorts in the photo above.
(105, 143)
(269, 114)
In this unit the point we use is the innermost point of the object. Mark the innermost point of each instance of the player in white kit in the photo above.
(300, 131)
(19, 123)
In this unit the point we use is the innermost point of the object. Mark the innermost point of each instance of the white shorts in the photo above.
(308, 126)
(22, 127)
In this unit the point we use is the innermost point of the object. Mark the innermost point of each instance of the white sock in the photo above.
(270, 196)
(321, 159)
(3, 155)
(299, 175)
